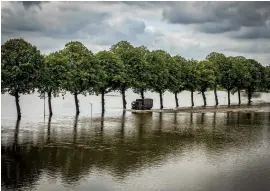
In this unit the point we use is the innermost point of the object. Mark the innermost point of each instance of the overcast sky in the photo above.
(190, 29)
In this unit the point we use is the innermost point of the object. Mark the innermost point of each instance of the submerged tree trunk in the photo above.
(204, 98)
(229, 97)
(192, 99)
(249, 96)
(176, 100)
(215, 92)
(102, 122)
(18, 104)
(77, 103)
(239, 96)
(142, 93)
(49, 102)
(123, 92)
(161, 100)
(103, 101)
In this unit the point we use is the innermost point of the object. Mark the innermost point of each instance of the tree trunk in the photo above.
(176, 100)
(239, 96)
(192, 99)
(204, 98)
(123, 92)
(18, 104)
(142, 93)
(102, 122)
(249, 96)
(103, 101)
(50, 103)
(161, 100)
(215, 92)
(229, 98)
(77, 103)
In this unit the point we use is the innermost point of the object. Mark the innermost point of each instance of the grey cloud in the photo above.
(18, 20)
(101, 24)
(215, 28)
(219, 17)
(253, 33)
(59, 24)
(126, 30)
(28, 4)
(146, 4)
(132, 26)
(262, 48)
(69, 21)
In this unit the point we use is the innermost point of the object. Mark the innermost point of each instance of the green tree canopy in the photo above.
(140, 72)
(111, 69)
(267, 78)
(176, 81)
(228, 76)
(206, 77)
(254, 77)
(217, 59)
(20, 62)
(125, 51)
(191, 75)
(82, 75)
(239, 67)
(52, 76)
(158, 68)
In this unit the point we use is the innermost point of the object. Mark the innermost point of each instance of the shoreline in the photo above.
(210, 109)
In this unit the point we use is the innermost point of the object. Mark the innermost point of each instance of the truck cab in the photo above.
(142, 104)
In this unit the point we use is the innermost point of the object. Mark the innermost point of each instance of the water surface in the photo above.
(125, 151)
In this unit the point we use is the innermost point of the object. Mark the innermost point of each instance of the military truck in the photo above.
(142, 104)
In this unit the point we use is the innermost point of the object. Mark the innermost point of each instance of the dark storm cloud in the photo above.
(13, 21)
(69, 21)
(194, 34)
(64, 23)
(221, 17)
(253, 33)
(28, 4)
(146, 4)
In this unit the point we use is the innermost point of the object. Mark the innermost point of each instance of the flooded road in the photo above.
(125, 151)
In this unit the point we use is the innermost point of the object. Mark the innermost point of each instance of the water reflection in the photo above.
(75, 129)
(125, 145)
(49, 129)
(18, 168)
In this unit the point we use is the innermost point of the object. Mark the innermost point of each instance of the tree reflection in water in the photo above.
(144, 140)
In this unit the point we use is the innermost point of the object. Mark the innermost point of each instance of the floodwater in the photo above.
(125, 151)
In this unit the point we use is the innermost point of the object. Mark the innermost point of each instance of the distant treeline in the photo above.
(77, 70)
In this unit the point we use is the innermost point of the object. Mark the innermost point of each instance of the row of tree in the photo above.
(77, 70)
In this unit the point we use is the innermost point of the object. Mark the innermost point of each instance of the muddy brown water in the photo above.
(168, 151)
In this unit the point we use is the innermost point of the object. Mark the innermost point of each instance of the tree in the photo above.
(227, 76)
(254, 77)
(159, 72)
(206, 77)
(217, 59)
(191, 76)
(52, 76)
(19, 68)
(140, 73)
(111, 74)
(266, 78)
(125, 51)
(239, 67)
(176, 79)
(82, 75)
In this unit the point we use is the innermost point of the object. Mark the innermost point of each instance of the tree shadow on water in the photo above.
(15, 162)
(49, 129)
